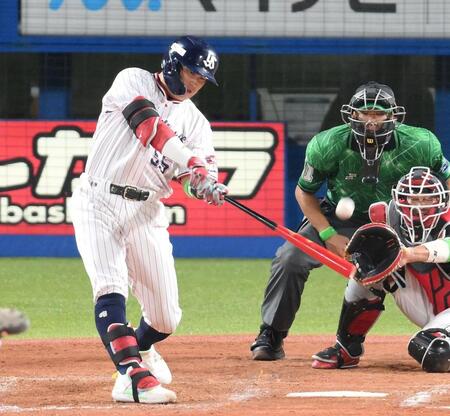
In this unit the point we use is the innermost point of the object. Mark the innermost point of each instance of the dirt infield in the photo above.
(215, 376)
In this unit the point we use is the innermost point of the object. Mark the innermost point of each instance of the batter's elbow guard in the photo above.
(431, 349)
(144, 120)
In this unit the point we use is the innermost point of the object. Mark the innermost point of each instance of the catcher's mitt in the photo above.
(375, 249)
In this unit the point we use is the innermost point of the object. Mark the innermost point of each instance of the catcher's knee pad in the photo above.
(122, 345)
(355, 322)
(431, 349)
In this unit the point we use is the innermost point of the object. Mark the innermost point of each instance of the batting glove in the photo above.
(199, 175)
(215, 194)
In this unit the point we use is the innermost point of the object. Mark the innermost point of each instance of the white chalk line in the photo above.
(344, 393)
(10, 382)
(244, 390)
(6, 385)
(423, 397)
(18, 409)
(16, 379)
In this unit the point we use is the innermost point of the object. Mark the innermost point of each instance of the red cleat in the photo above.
(334, 357)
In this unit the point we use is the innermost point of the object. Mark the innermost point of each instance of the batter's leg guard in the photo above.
(431, 349)
(136, 383)
(354, 323)
(121, 343)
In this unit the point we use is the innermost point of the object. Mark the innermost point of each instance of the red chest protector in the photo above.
(436, 285)
(378, 212)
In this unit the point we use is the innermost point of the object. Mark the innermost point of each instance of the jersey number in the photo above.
(159, 161)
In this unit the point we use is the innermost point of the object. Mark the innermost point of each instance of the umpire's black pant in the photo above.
(290, 271)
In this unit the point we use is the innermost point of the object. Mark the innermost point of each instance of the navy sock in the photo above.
(147, 336)
(110, 309)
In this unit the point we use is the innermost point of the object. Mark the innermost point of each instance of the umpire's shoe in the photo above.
(337, 357)
(268, 345)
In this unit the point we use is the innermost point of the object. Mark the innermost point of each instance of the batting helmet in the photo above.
(192, 53)
(370, 135)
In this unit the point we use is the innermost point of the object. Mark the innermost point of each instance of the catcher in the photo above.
(12, 322)
(405, 252)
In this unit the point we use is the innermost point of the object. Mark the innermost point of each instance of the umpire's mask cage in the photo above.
(373, 116)
(421, 199)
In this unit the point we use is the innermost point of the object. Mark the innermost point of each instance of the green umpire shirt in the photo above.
(331, 158)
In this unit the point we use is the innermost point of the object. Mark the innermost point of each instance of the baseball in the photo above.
(345, 208)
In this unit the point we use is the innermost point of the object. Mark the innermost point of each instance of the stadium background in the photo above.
(289, 62)
(286, 68)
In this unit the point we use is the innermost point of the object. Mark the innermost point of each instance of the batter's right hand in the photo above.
(337, 244)
(199, 174)
(215, 194)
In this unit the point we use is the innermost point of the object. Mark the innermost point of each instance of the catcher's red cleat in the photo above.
(333, 358)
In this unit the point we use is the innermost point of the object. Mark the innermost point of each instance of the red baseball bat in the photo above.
(316, 251)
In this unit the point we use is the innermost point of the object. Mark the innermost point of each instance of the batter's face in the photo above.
(193, 83)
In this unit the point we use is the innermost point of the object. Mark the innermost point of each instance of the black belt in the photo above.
(129, 192)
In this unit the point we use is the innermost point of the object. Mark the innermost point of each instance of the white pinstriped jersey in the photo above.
(125, 243)
(119, 157)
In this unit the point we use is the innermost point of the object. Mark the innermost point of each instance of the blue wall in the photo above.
(65, 246)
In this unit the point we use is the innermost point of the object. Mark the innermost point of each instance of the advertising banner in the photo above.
(40, 165)
(256, 18)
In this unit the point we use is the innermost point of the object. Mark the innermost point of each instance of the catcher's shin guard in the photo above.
(431, 349)
(354, 323)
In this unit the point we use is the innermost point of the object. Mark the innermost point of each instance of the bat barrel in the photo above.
(316, 251)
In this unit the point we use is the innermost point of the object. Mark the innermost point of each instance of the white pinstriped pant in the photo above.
(125, 244)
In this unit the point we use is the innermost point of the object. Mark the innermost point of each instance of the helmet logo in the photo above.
(176, 47)
(370, 140)
(210, 61)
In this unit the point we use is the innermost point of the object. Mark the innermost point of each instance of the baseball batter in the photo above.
(419, 214)
(148, 132)
(361, 159)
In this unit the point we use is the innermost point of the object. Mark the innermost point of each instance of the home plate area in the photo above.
(215, 375)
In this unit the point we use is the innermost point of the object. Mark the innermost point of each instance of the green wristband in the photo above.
(187, 189)
(327, 233)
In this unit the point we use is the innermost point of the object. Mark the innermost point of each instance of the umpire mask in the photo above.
(373, 115)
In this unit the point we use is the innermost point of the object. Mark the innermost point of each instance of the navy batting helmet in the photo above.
(192, 53)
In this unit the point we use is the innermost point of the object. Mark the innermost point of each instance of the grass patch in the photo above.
(218, 296)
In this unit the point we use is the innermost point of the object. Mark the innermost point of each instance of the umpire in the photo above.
(361, 159)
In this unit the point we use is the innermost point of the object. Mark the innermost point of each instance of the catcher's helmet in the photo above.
(420, 198)
(372, 115)
(192, 53)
